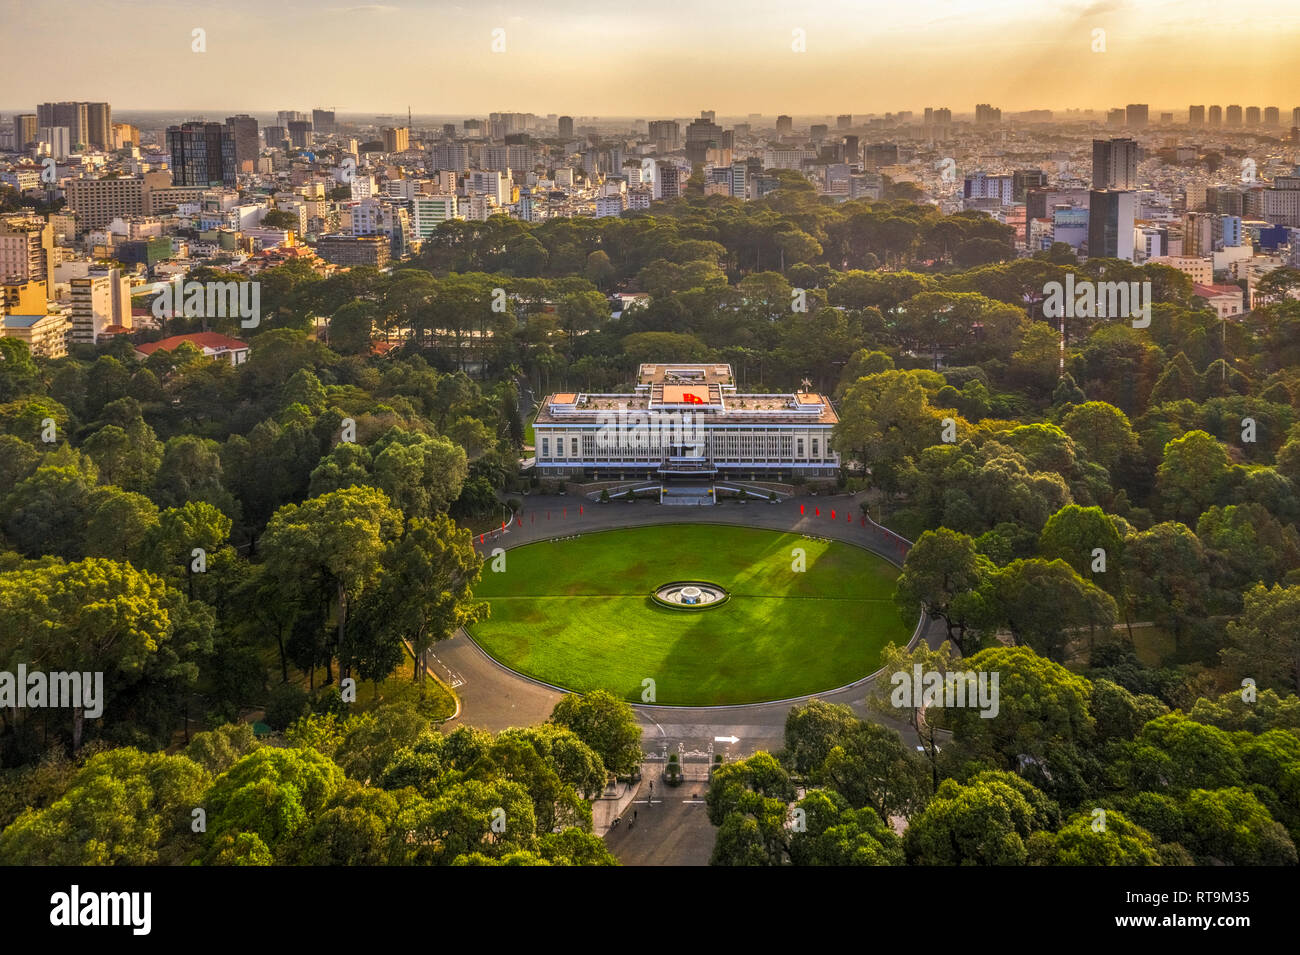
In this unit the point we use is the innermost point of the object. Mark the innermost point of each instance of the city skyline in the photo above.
(855, 57)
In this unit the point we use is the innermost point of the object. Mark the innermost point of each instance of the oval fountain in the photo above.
(690, 595)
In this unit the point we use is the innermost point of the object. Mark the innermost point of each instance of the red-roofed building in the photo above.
(1226, 300)
(212, 344)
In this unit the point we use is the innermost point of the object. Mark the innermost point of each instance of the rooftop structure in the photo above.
(685, 420)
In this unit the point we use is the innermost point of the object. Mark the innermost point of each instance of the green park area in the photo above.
(578, 613)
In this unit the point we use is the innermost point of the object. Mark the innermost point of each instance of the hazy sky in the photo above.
(652, 58)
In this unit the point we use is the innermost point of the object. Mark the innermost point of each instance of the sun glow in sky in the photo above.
(660, 58)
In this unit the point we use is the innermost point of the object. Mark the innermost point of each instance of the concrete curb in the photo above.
(670, 519)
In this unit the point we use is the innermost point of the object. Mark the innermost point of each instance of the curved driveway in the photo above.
(494, 697)
(659, 825)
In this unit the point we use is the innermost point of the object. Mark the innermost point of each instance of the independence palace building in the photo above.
(685, 421)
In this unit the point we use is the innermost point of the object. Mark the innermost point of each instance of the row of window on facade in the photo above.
(720, 447)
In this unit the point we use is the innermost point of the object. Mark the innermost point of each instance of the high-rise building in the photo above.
(300, 133)
(99, 299)
(844, 121)
(1233, 116)
(740, 180)
(668, 181)
(1116, 117)
(703, 130)
(244, 128)
(852, 150)
(99, 125)
(124, 135)
(430, 211)
(75, 116)
(396, 138)
(1295, 116)
(986, 114)
(27, 251)
(1196, 115)
(1216, 116)
(24, 131)
(784, 125)
(322, 121)
(981, 185)
(203, 154)
(1272, 116)
(494, 183)
(876, 155)
(1022, 180)
(1198, 233)
(1114, 163)
(1252, 115)
(275, 136)
(57, 139)
(1111, 213)
(286, 116)
(97, 202)
(818, 131)
(566, 127)
(1281, 205)
(1137, 115)
(665, 133)
(452, 156)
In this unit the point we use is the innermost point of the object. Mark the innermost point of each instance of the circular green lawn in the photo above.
(579, 614)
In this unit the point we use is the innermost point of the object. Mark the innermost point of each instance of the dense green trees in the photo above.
(423, 798)
(606, 724)
(180, 523)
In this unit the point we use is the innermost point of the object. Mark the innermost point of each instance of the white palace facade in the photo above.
(685, 421)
